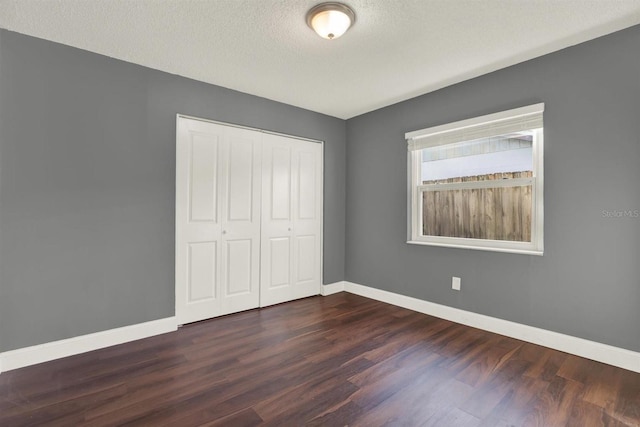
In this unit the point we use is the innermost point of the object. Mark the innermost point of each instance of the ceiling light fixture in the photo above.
(330, 20)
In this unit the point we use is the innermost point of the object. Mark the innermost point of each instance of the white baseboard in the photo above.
(27, 356)
(332, 288)
(604, 353)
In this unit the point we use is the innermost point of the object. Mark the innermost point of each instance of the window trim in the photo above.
(415, 188)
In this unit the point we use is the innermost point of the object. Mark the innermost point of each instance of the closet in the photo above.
(248, 219)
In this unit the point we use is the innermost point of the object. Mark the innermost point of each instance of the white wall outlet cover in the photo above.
(455, 283)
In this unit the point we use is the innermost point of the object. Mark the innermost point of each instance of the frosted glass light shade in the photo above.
(330, 20)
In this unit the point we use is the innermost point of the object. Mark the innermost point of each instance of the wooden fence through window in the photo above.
(499, 213)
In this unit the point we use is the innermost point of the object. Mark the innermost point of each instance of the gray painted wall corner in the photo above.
(87, 167)
(587, 284)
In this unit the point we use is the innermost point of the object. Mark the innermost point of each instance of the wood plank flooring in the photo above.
(323, 361)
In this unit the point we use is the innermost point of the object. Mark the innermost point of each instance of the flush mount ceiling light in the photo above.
(330, 20)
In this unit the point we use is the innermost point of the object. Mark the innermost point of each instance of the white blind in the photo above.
(504, 122)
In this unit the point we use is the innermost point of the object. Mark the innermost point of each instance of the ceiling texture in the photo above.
(396, 50)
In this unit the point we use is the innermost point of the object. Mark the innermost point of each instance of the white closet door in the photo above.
(291, 219)
(218, 173)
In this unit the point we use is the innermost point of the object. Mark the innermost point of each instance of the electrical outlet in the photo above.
(455, 283)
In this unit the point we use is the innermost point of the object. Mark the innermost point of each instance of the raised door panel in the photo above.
(306, 255)
(202, 279)
(203, 177)
(280, 189)
(240, 179)
(239, 267)
(307, 185)
(279, 267)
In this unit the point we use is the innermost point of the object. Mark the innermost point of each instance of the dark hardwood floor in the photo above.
(323, 361)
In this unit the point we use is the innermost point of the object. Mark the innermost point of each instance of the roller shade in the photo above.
(516, 120)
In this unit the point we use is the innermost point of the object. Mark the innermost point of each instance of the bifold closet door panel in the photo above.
(218, 174)
(291, 219)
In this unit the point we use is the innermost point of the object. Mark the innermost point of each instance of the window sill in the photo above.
(478, 248)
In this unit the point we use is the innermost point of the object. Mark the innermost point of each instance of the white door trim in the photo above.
(185, 116)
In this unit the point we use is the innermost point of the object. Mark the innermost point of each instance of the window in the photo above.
(478, 183)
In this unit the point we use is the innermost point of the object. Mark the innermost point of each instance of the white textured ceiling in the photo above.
(397, 49)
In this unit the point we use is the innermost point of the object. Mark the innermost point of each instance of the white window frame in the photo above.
(459, 131)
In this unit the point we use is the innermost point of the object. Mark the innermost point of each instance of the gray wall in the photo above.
(87, 186)
(587, 284)
(87, 146)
